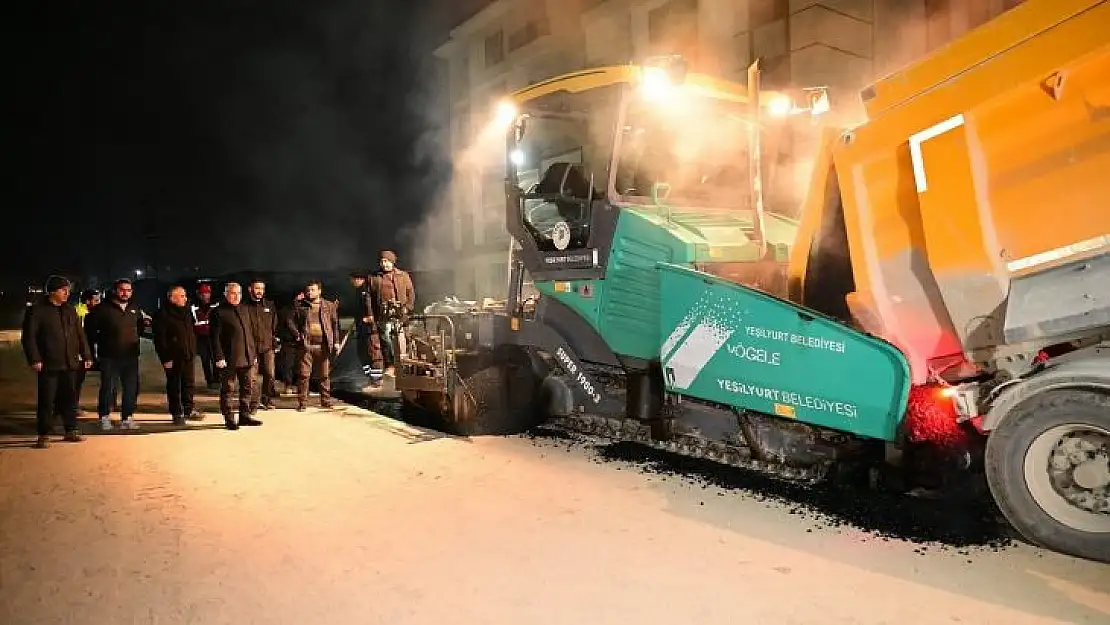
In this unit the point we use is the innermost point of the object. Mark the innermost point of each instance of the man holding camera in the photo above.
(392, 298)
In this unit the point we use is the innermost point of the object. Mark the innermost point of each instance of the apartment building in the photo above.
(509, 44)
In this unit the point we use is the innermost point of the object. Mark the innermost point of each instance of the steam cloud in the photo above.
(260, 135)
(325, 137)
(900, 36)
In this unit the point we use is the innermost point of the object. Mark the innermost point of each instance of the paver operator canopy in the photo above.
(642, 135)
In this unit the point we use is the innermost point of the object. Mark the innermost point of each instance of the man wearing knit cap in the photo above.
(392, 297)
(55, 347)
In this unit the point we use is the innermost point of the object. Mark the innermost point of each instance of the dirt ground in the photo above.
(349, 517)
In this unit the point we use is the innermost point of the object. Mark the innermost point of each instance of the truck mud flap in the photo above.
(724, 343)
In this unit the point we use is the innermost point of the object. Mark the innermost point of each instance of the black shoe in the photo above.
(73, 436)
(178, 420)
(229, 423)
(42, 442)
(248, 420)
(301, 407)
(326, 405)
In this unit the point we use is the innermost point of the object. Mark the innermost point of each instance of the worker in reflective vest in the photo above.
(90, 298)
(200, 312)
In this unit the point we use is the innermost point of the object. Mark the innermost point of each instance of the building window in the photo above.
(938, 23)
(461, 132)
(495, 49)
(497, 280)
(530, 32)
(673, 28)
(460, 78)
(496, 232)
(762, 12)
(466, 227)
(978, 13)
(775, 74)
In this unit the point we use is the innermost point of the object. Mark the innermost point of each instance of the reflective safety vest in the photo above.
(200, 318)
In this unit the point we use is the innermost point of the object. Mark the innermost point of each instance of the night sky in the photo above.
(230, 135)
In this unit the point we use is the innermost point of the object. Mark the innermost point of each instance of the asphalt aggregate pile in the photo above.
(963, 524)
(959, 524)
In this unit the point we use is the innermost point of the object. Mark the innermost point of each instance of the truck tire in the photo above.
(495, 401)
(1032, 462)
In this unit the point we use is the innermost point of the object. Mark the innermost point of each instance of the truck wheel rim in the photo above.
(1067, 471)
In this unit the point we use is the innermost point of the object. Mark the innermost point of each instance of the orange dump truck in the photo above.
(967, 222)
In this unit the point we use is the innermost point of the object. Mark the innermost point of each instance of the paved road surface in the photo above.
(348, 517)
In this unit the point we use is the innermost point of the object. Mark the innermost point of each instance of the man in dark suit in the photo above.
(315, 329)
(234, 351)
(175, 342)
(56, 348)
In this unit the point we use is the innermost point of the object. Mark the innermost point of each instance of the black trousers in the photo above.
(78, 383)
(56, 391)
(285, 363)
(362, 342)
(207, 362)
(180, 383)
(234, 379)
(267, 390)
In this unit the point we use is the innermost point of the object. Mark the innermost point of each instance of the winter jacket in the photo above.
(392, 285)
(329, 319)
(232, 336)
(174, 338)
(264, 317)
(52, 335)
(113, 331)
(363, 300)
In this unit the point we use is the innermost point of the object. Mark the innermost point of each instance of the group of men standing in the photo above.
(61, 346)
(236, 340)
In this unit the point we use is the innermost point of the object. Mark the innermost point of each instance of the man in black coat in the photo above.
(264, 317)
(233, 349)
(175, 342)
(113, 330)
(288, 355)
(364, 316)
(55, 347)
(315, 329)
